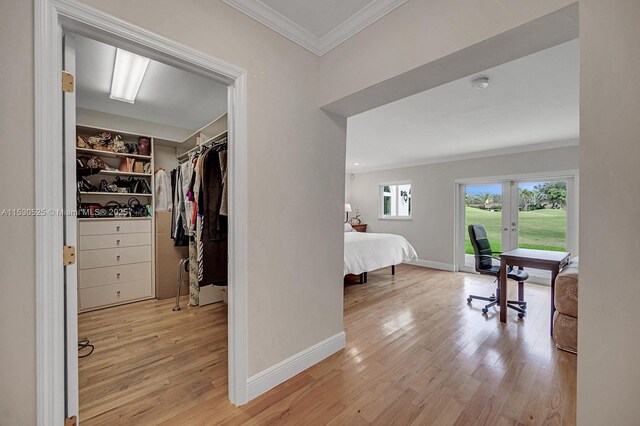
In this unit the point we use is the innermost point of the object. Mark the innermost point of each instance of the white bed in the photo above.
(365, 252)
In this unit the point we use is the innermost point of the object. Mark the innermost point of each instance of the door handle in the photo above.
(505, 229)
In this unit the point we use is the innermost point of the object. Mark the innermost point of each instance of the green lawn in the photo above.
(539, 229)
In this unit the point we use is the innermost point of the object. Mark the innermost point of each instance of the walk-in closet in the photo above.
(151, 187)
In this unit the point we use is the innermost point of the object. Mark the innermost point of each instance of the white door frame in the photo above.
(572, 207)
(52, 19)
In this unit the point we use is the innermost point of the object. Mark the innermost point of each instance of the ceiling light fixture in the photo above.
(128, 73)
(356, 164)
(480, 83)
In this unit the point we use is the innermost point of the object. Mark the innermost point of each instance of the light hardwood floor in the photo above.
(416, 354)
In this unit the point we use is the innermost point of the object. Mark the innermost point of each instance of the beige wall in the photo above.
(417, 33)
(296, 171)
(431, 229)
(296, 159)
(17, 250)
(608, 363)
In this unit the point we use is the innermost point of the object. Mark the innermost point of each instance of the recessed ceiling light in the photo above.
(128, 73)
(480, 83)
(356, 164)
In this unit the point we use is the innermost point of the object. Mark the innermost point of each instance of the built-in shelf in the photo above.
(129, 194)
(111, 154)
(119, 173)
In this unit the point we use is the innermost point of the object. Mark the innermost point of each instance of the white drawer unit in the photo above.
(113, 257)
(114, 226)
(115, 262)
(113, 294)
(96, 277)
(91, 242)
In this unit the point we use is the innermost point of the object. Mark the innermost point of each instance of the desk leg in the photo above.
(503, 290)
(554, 273)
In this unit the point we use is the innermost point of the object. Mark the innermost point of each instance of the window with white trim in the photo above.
(395, 200)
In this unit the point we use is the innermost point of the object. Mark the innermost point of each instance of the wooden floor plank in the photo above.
(416, 354)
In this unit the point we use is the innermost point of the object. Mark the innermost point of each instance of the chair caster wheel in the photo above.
(523, 307)
(520, 316)
(485, 310)
(469, 300)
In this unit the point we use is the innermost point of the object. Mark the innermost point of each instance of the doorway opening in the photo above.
(147, 179)
(57, 337)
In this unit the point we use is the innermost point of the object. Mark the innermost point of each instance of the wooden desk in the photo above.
(552, 261)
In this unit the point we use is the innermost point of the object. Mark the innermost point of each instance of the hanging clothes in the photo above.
(178, 234)
(200, 216)
(214, 227)
(162, 190)
(223, 169)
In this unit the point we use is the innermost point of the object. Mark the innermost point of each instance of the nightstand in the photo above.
(360, 228)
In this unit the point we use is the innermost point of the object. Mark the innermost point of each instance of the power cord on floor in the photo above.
(83, 344)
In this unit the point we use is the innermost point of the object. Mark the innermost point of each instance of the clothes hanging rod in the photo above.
(216, 140)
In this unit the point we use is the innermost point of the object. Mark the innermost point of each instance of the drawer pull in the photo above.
(118, 275)
(118, 228)
(118, 242)
(118, 257)
(118, 292)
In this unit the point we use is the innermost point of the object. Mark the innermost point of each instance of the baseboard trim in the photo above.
(284, 370)
(433, 265)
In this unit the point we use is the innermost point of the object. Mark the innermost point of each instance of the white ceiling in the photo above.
(167, 96)
(531, 103)
(317, 25)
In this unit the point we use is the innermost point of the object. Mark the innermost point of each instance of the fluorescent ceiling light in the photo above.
(128, 73)
(356, 164)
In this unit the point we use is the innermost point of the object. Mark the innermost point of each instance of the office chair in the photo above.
(484, 265)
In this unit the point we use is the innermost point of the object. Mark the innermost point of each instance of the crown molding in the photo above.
(357, 22)
(284, 26)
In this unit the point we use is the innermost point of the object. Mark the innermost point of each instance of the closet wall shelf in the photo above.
(119, 173)
(130, 194)
(111, 154)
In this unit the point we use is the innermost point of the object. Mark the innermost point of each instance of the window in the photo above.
(395, 200)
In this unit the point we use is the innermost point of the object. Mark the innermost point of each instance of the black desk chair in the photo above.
(485, 266)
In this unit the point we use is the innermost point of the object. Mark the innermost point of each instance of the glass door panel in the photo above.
(483, 206)
(540, 218)
(542, 215)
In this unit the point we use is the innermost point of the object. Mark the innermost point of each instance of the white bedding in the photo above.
(365, 252)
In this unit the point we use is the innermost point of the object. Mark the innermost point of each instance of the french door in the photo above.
(536, 212)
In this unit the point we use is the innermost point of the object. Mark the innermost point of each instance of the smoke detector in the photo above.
(480, 83)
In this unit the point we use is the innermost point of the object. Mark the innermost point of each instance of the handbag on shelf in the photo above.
(108, 187)
(89, 209)
(116, 209)
(126, 164)
(140, 186)
(84, 185)
(137, 208)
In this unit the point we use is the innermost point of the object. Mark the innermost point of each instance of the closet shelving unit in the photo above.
(204, 144)
(116, 255)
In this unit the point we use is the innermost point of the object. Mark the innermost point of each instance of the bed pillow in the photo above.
(348, 228)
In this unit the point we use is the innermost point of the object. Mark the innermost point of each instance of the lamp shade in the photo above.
(347, 208)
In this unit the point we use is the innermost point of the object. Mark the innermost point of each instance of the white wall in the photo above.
(608, 362)
(431, 229)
